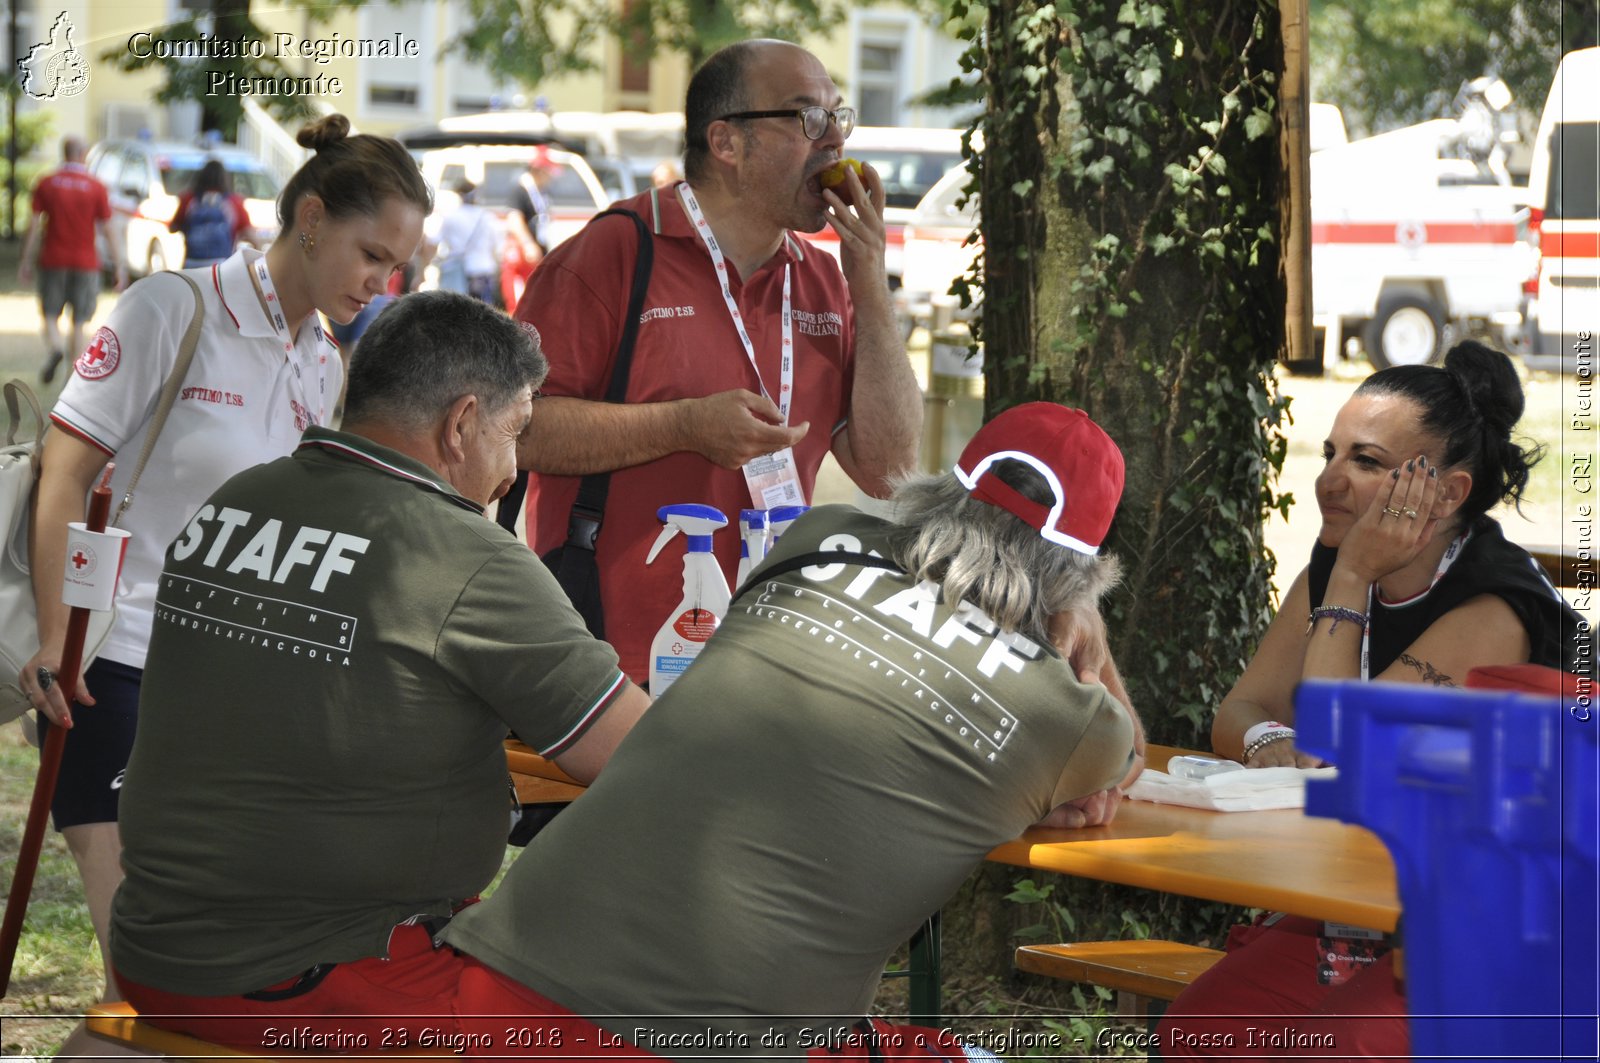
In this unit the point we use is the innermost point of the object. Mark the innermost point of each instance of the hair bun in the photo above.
(1490, 382)
(329, 129)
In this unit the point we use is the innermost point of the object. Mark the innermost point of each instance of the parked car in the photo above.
(494, 163)
(144, 179)
(910, 161)
(936, 249)
(622, 147)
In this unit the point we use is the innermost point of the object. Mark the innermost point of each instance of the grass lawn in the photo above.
(57, 971)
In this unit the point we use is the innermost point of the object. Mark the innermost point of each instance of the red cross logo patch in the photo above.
(100, 358)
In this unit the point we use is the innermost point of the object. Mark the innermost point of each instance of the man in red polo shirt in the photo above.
(791, 359)
(75, 208)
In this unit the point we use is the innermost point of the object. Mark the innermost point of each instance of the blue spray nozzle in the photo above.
(696, 521)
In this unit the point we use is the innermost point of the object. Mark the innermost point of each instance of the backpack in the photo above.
(208, 228)
(19, 629)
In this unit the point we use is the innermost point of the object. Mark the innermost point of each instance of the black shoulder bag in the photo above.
(573, 561)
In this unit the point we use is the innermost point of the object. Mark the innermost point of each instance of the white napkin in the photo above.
(1234, 791)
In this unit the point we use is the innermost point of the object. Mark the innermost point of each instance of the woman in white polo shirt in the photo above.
(262, 372)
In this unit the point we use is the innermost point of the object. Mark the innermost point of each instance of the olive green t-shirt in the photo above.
(341, 642)
(823, 777)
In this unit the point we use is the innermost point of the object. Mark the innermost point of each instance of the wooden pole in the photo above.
(1294, 113)
(44, 787)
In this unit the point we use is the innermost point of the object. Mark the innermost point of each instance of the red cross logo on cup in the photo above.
(82, 558)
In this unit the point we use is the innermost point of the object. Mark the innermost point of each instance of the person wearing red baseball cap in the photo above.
(886, 701)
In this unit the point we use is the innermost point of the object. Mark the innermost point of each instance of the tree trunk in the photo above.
(231, 21)
(1130, 184)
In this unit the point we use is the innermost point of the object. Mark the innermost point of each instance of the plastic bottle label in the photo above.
(672, 666)
(696, 625)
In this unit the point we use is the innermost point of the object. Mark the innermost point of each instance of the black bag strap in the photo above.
(815, 557)
(588, 509)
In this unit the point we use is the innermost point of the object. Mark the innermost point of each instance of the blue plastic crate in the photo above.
(1487, 801)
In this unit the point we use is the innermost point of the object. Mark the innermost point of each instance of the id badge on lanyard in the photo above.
(1451, 553)
(773, 479)
(280, 325)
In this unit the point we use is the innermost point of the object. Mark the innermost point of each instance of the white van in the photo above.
(1564, 193)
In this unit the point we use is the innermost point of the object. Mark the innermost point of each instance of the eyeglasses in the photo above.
(813, 120)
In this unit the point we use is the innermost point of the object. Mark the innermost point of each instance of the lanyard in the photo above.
(786, 362)
(1449, 558)
(280, 326)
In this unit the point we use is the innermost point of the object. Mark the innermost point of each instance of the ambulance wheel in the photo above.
(1408, 329)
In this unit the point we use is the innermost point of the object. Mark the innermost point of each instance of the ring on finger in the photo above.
(1408, 511)
(1392, 512)
(45, 677)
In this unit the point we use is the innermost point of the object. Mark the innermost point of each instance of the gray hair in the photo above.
(982, 554)
(428, 349)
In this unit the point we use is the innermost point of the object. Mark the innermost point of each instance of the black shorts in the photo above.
(97, 747)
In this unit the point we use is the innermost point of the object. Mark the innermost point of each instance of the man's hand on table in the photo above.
(1096, 810)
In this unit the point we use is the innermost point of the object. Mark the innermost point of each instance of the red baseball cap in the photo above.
(1075, 456)
(541, 159)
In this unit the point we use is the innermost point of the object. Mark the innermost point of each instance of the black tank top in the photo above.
(1488, 565)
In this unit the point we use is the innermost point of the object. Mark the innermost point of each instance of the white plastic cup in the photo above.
(94, 560)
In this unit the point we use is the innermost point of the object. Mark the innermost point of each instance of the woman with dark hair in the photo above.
(210, 216)
(1410, 582)
(263, 372)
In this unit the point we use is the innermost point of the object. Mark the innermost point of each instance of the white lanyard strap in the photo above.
(1449, 558)
(280, 326)
(786, 361)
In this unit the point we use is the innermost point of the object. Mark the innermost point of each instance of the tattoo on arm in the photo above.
(1430, 674)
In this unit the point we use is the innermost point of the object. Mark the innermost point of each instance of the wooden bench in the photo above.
(117, 1021)
(1146, 974)
(1563, 565)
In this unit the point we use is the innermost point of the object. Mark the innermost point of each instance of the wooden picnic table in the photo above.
(1280, 859)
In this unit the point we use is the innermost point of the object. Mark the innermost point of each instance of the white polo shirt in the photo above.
(245, 401)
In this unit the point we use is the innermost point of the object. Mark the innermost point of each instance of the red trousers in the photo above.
(1263, 1000)
(427, 998)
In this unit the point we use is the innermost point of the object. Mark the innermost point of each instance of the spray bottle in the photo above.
(780, 517)
(705, 593)
(752, 542)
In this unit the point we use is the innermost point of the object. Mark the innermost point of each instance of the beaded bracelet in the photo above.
(1339, 613)
(1275, 735)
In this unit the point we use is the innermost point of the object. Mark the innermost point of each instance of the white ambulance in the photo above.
(1564, 191)
(1413, 232)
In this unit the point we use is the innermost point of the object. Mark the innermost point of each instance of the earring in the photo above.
(308, 243)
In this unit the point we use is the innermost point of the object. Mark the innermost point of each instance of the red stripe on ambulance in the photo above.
(1413, 233)
(1569, 245)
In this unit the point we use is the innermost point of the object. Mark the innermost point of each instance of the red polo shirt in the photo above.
(687, 348)
(71, 202)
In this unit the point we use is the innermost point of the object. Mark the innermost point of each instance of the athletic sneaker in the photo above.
(48, 373)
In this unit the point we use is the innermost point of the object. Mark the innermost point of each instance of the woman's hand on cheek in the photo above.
(1398, 524)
